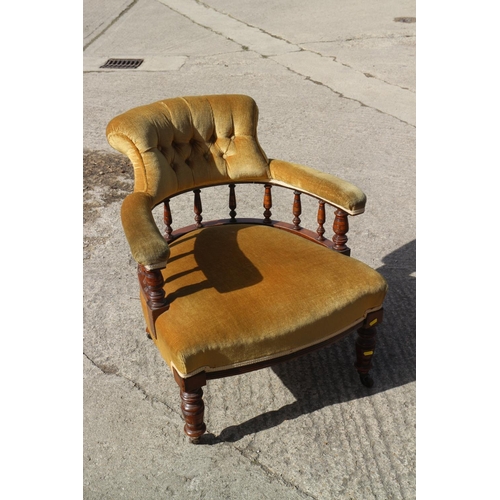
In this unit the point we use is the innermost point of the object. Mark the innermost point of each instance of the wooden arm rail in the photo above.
(340, 224)
(151, 281)
(234, 299)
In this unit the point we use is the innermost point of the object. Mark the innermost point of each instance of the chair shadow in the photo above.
(220, 260)
(327, 376)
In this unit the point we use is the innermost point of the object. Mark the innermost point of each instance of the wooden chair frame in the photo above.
(152, 283)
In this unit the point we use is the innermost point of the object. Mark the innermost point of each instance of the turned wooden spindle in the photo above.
(193, 409)
(297, 210)
(167, 219)
(365, 347)
(232, 202)
(268, 203)
(321, 220)
(197, 208)
(340, 228)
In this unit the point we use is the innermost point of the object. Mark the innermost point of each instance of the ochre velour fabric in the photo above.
(184, 143)
(320, 184)
(241, 293)
(149, 247)
(238, 293)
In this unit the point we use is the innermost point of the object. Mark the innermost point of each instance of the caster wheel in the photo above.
(148, 335)
(366, 379)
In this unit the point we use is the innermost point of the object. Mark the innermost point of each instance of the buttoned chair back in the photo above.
(232, 295)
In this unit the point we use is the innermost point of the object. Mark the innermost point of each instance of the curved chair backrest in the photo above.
(186, 143)
(233, 295)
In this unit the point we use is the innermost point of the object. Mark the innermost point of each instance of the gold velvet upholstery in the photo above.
(231, 296)
(184, 143)
(241, 293)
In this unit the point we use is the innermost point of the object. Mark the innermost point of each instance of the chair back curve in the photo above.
(186, 143)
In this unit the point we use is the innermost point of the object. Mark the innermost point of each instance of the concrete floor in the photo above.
(335, 86)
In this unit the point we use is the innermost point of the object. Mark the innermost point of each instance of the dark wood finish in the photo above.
(141, 276)
(167, 219)
(340, 228)
(365, 346)
(152, 288)
(280, 359)
(191, 392)
(193, 410)
(226, 183)
(200, 379)
(340, 224)
(268, 203)
(321, 218)
(305, 233)
(198, 208)
(151, 282)
(142, 283)
(192, 405)
(374, 318)
(297, 210)
(191, 383)
(232, 202)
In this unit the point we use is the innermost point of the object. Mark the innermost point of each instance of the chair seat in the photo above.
(240, 294)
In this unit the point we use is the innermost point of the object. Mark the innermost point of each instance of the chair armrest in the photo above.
(148, 246)
(329, 188)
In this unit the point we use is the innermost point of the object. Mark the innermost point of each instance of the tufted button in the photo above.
(233, 137)
(224, 156)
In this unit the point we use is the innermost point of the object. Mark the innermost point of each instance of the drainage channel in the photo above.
(122, 63)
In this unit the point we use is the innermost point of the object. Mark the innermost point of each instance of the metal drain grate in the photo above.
(405, 19)
(122, 63)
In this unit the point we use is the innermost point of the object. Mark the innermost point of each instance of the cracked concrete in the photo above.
(97, 19)
(335, 87)
(113, 370)
(331, 73)
(352, 84)
(159, 469)
(340, 77)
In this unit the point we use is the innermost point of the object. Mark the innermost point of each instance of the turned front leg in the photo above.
(193, 409)
(365, 347)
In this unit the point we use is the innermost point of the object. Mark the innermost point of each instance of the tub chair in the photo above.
(228, 296)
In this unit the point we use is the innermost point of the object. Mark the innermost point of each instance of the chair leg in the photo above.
(365, 347)
(193, 409)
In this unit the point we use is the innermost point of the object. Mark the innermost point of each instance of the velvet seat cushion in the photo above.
(245, 293)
